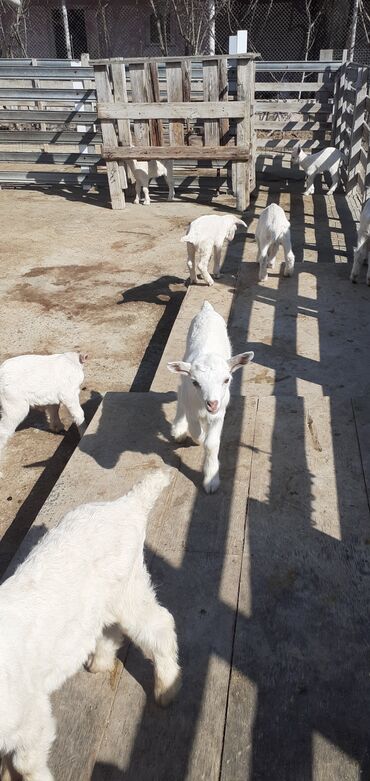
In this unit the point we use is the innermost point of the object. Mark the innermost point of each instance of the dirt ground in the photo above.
(75, 275)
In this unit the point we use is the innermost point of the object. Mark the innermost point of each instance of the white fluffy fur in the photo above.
(40, 381)
(329, 159)
(273, 230)
(205, 236)
(80, 589)
(203, 393)
(363, 245)
(143, 172)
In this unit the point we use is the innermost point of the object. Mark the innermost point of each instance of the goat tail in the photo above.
(151, 487)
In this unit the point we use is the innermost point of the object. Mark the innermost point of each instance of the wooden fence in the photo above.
(147, 112)
(50, 134)
(351, 126)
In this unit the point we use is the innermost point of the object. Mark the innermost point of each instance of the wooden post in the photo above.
(211, 93)
(139, 95)
(152, 89)
(245, 91)
(339, 103)
(358, 119)
(175, 95)
(223, 88)
(104, 94)
(120, 96)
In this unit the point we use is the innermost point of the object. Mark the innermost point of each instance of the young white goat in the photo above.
(329, 159)
(69, 603)
(206, 235)
(363, 245)
(40, 381)
(273, 230)
(203, 393)
(143, 172)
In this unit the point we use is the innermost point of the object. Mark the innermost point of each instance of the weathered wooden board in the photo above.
(171, 110)
(104, 92)
(176, 153)
(175, 95)
(300, 687)
(211, 93)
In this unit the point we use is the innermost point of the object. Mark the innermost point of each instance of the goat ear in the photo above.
(237, 361)
(179, 367)
(83, 357)
(240, 222)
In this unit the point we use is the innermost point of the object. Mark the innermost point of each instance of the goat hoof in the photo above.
(211, 486)
(164, 696)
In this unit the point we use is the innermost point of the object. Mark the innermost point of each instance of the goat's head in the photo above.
(232, 228)
(211, 375)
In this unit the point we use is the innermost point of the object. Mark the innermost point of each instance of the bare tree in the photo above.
(195, 21)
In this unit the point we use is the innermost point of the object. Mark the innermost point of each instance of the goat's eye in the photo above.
(196, 384)
(227, 380)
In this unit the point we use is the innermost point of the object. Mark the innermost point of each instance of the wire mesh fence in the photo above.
(278, 29)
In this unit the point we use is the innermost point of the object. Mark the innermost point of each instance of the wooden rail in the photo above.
(350, 128)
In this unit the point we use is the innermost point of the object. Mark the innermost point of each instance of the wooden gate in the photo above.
(160, 117)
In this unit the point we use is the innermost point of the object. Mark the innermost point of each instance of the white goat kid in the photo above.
(273, 230)
(40, 381)
(203, 393)
(143, 172)
(70, 602)
(363, 245)
(205, 236)
(329, 159)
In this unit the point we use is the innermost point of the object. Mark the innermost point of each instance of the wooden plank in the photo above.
(358, 119)
(175, 95)
(338, 107)
(139, 95)
(326, 55)
(287, 125)
(223, 86)
(156, 125)
(118, 73)
(186, 92)
(104, 93)
(245, 92)
(197, 58)
(288, 144)
(293, 106)
(120, 96)
(211, 94)
(66, 117)
(49, 137)
(293, 86)
(177, 153)
(135, 111)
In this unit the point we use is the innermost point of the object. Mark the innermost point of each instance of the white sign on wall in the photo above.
(238, 43)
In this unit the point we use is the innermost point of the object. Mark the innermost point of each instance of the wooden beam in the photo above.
(104, 94)
(145, 111)
(176, 153)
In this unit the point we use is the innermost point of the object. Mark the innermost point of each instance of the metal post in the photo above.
(212, 26)
(66, 29)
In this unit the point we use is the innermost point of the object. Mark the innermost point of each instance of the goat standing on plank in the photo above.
(143, 172)
(273, 230)
(363, 245)
(40, 381)
(79, 591)
(204, 390)
(329, 159)
(205, 236)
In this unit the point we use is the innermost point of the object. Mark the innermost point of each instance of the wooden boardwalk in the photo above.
(269, 579)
